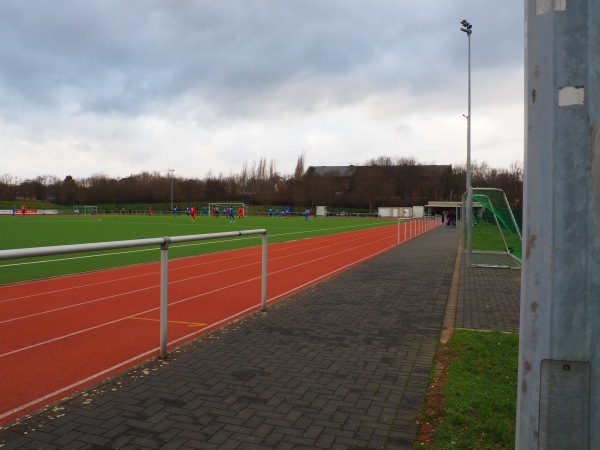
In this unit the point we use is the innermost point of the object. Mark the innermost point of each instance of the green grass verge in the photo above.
(478, 399)
(486, 237)
(41, 231)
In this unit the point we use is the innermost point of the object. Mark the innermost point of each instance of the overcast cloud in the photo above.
(120, 87)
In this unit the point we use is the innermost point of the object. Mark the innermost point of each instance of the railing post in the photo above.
(164, 289)
(264, 273)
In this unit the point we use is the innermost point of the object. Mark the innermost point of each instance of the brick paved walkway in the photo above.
(344, 364)
(489, 299)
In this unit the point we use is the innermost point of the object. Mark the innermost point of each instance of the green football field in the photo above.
(42, 231)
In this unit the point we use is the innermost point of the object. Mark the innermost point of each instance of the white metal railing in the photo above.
(164, 243)
(415, 226)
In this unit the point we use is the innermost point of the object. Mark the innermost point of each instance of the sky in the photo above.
(199, 87)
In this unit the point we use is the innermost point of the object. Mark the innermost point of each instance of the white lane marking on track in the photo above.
(110, 297)
(232, 285)
(112, 322)
(119, 279)
(77, 383)
(287, 256)
(86, 286)
(179, 246)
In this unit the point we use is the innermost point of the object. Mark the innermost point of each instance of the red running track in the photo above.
(64, 334)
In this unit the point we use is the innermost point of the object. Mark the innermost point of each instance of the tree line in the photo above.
(382, 181)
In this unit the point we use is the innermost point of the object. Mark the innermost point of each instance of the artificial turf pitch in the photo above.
(42, 231)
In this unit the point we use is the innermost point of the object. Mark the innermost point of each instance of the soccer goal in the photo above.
(85, 209)
(222, 206)
(496, 236)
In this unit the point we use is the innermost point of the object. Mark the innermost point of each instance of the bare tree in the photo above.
(382, 161)
(382, 179)
(243, 179)
(299, 171)
(296, 183)
(372, 184)
(406, 161)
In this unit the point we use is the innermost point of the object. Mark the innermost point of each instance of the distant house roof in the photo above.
(344, 171)
(418, 170)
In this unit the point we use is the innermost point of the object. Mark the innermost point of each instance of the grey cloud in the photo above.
(226, 75)
(115, 57)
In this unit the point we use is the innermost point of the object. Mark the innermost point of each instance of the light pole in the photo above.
(467, 28)
(558, 400)
(171, 175)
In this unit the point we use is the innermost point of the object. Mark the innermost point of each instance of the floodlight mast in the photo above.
(171, 176)
(468, 29)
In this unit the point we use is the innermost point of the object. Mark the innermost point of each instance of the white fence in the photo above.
(164, 243)
(414, 227)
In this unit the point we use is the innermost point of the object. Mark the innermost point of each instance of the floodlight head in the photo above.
(466, 27)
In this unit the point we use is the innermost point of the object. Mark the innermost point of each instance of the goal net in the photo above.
(496, 236)
(222, 207)
(85, 209)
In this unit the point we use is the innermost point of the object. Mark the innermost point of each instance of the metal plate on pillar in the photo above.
(564, 405)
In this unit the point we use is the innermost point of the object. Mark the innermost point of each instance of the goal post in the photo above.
(496, 236)
(222, 207)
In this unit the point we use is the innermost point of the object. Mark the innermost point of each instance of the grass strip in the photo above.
(471, 404)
